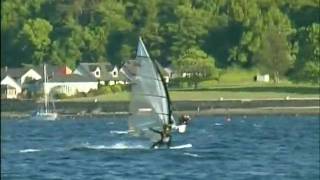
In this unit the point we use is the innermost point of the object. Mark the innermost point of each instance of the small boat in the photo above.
(46, 113)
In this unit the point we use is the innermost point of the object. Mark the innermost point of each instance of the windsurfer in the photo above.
(183, 122)
(165, 137)
(184, 119)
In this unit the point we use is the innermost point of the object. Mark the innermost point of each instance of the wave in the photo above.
(120, 132)
(120, 145)
(257, 125)
(218, 124)
(127, 146)
(191, 154)
(255, 173)
(29, 150)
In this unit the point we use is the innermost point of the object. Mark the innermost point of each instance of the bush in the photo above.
(36, 95)
(175, 83)
(116, 88)
(105, 90)
(93, 92)
(60, 96)
(80, 94)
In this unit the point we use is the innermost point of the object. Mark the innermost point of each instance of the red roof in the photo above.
(64, 70)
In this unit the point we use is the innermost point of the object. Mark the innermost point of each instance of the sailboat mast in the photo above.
(44, 87)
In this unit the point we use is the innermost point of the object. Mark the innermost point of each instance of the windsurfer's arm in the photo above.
(173, 120)
(156, 131)
(174, 126)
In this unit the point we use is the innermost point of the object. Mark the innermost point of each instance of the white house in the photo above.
(32, 74)
(117, 77)
(263, 78)
(71, 84)
(20, 75)
(168, 71)
(10, 89)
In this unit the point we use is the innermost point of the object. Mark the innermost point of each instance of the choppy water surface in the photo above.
(257, 147)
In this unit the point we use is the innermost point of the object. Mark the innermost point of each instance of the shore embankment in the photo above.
(22, 108)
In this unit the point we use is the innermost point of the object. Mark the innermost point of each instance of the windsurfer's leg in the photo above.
(169, 144)
(156, 144)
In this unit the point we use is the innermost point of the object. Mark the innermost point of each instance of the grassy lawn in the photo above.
(234, 83)
(230, 94)
(247, 91)
(121, 96)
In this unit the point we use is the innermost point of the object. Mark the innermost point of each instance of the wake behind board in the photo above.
(181, 146)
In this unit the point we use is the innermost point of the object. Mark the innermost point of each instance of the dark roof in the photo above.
(131, 66)
(16, 73)
(105, 68)
(121, 77)
(92, 66)
(13, 72)
(4, 75)
(52, 70)
(72, 78)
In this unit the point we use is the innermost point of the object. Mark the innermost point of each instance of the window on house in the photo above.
(114, 73)
(97, 73)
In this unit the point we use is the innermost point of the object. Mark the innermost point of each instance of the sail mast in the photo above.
(44, 87)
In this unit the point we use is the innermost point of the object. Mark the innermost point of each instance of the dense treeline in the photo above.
(282, 35)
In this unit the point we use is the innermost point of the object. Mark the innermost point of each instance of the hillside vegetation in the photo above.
(276, 37)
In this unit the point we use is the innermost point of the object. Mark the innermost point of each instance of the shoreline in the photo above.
(219, 111)
(24, 108)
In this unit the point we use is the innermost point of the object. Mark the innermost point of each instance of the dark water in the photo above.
(258, 147)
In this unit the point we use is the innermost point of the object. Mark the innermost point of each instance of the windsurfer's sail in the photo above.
(150, 103)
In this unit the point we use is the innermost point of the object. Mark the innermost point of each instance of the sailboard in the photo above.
(150, 105)
(181, 146)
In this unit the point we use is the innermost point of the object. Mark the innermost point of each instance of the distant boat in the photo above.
(150, 105)
(45, 113)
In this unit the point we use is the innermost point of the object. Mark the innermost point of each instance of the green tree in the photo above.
(192, 24)
(256, 18)
(307, 66)
(35, 34)
(195, 65)
(274, 56)
(14, 14)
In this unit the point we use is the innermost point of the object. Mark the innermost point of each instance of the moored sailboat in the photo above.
(45, 113)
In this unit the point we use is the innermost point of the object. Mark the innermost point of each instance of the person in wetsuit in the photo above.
(183, 122)
(184, 119)
(165, 137)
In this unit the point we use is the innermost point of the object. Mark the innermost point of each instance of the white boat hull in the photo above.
(46, 116)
